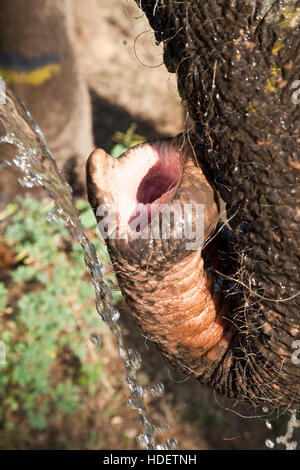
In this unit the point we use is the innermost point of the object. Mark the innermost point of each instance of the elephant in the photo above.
(227, 313)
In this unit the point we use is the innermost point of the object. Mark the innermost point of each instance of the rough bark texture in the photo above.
(236, 62)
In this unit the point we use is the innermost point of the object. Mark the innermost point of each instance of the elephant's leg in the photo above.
(236, 64)
(37, 60)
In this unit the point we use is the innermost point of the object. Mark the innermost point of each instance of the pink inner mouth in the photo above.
(156, 182)
(156, 189)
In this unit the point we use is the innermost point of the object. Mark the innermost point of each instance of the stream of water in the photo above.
(32, 157)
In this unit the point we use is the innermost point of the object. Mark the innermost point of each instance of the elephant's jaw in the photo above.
(165, 285)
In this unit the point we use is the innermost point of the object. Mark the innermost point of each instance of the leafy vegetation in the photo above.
(46, 316)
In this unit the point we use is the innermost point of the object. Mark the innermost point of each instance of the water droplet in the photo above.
(69, 187)
(4, 164)
(96, 340)
(123, 352)
(170, 444)
(134, 358)
(156, 391)
(130, 404)
(52, 215)
(291, 445)
(143, 441)
(99, 269)
(292, 424)
(270, 444)
(135, 388)
(160, 428)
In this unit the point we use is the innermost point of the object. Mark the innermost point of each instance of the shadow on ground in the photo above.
(109, 117)
(219, 422)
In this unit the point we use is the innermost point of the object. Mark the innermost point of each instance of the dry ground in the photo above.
(125, 72)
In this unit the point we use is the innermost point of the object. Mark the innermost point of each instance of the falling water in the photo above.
(38, 168)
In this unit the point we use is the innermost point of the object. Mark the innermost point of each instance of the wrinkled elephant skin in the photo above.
(237, 64)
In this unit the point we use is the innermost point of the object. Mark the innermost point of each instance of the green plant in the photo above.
(47, 319)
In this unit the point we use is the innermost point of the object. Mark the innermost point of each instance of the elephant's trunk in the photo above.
(238, 66)
(176, 302)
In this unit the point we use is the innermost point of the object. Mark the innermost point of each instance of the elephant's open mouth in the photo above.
(157, 187)
(170, 293)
